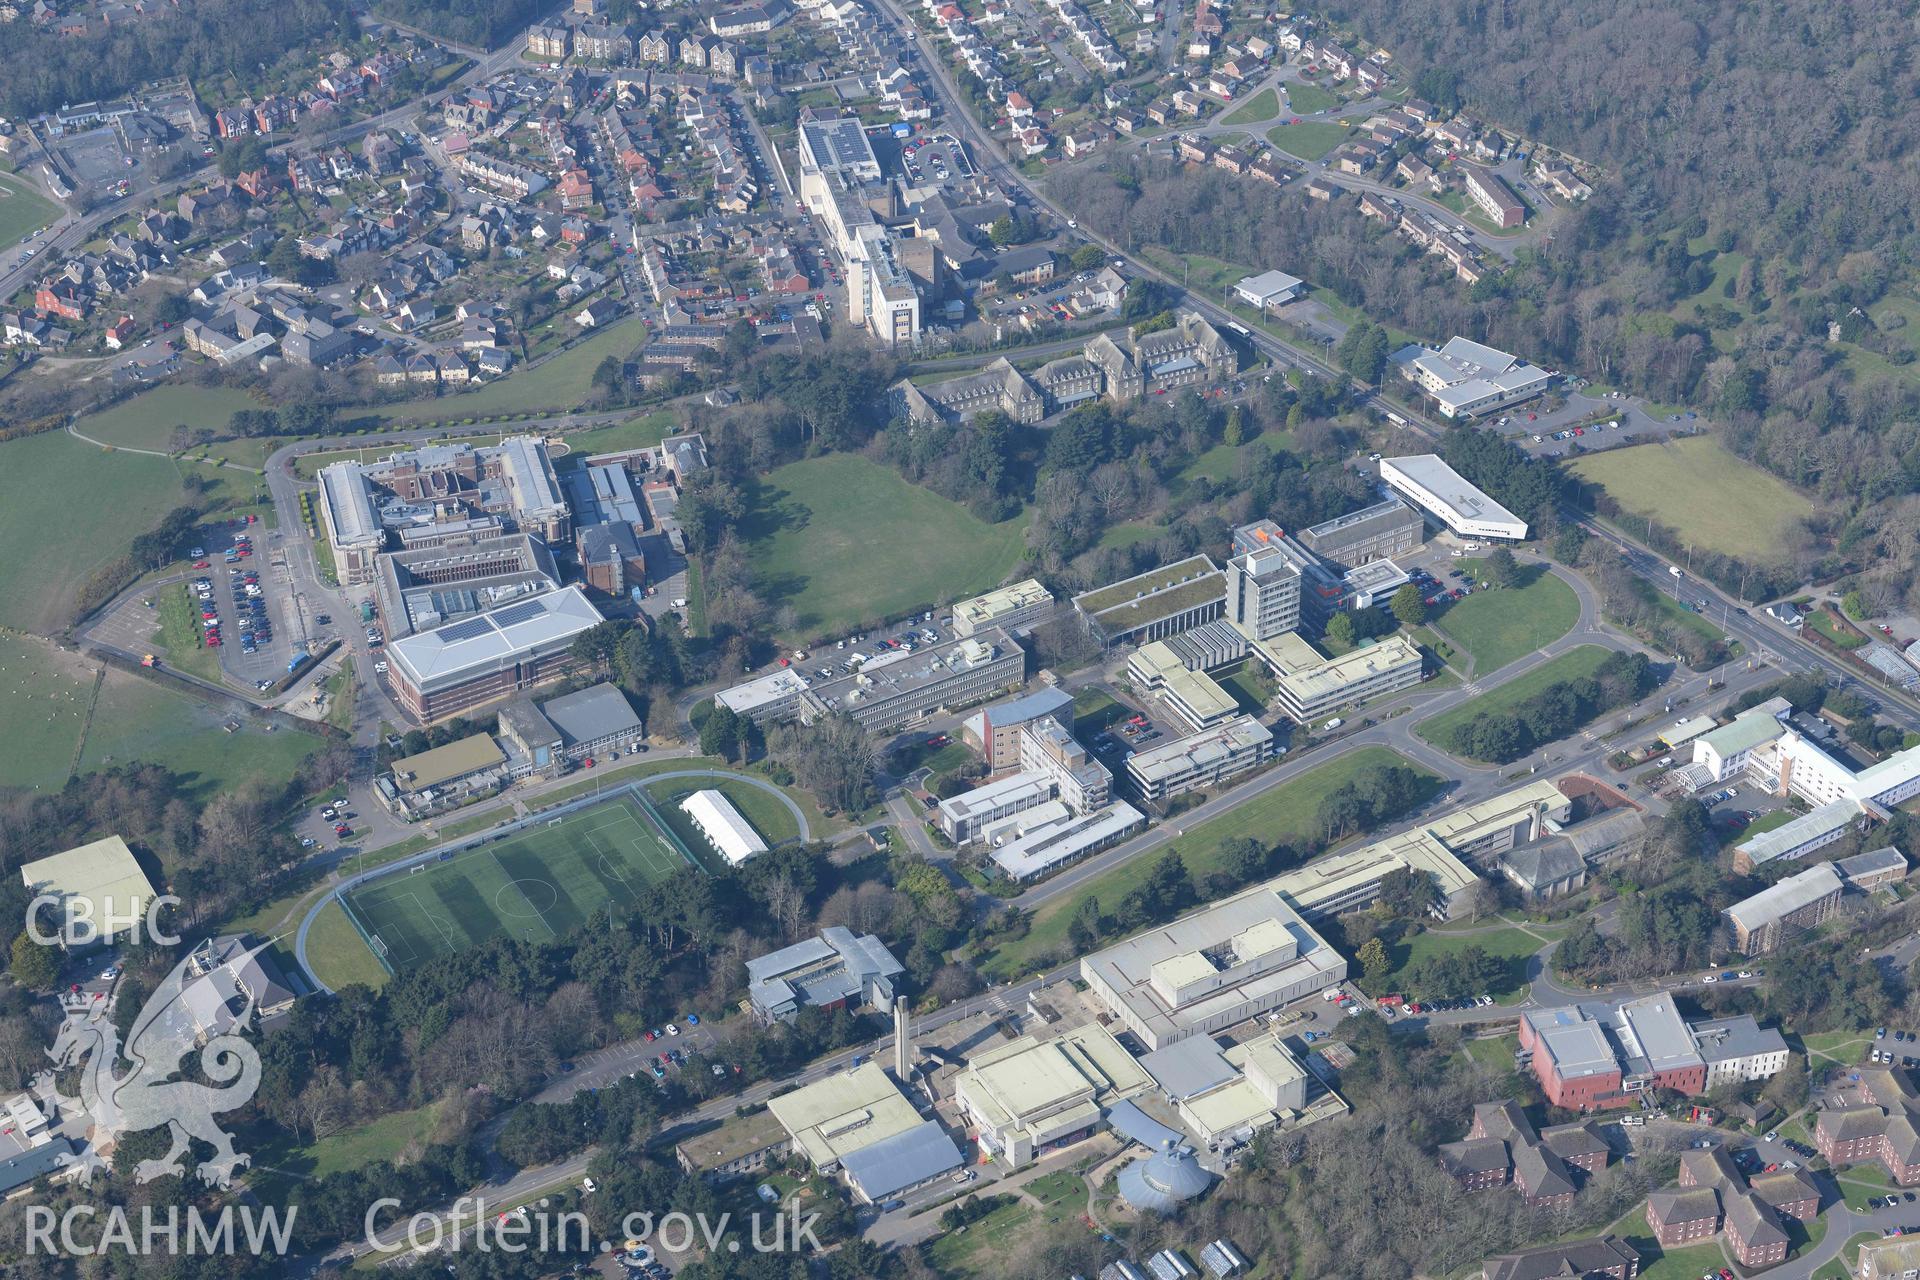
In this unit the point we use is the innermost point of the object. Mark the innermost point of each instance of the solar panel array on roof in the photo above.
(515, 614)
(471, 629)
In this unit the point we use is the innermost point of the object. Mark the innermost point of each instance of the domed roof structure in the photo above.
(1164, 1180)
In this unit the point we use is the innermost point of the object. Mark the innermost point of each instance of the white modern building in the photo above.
(492, 655)
(1467, 379)
(725, 828)
(1268, 290)
(1203, 760)
(1212, 968)
(1033, 1095)
(774, 696)
(1013, 607)
(1433, 486)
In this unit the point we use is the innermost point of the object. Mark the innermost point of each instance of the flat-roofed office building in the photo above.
(1154, 605)
(1203, 760)
(898, 687)
(1012, 608)
(465, 664)
(1035, 1094)
(1437, 488)
(1212, 968)
(1383, 530)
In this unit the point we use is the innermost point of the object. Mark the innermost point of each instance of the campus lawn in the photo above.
(336, 955)
(1260, 108)
(44, 696)
(70, 508)
(1862, 1182)
(1308, 140)
(1095, 709)
(980, 1248)
(646, 429)
(148, 420)
(1497, 627)
(178, 641)
(1513, 945)
(560, 384)
(1495, 1051)
(846, 542)
(1582, 661)
(1306, 99)
(1282, 815)
(766, 815)
(22, 210)
(1764, 823)
(1695, 487)
(1669, 1264)
(138, 719)
(278, 1165)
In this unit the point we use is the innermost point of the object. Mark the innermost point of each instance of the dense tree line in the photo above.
(485, 23)
(42, 70)
(1554, 711)
(1376, 795)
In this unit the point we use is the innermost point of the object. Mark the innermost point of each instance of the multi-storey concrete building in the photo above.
(466, 664)
(1799, 902)
(1154, 605)
(1208, 759)
(1212, 968)
(1011, 608)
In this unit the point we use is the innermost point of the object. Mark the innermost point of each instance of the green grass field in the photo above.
(845, 541)
(770, 819)
(537, 884)
(1260, 108)
(1306, 99)
(337, 956)
(1308, 140)
(1656, 1263)
(1515, 946)
(22, 210)
(560, 383)
(70, 508)
(1495, 1051)
(1284, 814)
(44, 697)
(277, 1166)
(180, 639)
(1695, 487)
(138, 719)
(1582, 661)
(1497, 627)
(148, 420)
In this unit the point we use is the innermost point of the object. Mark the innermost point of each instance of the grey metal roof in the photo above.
(904, 1160)
(590, 714)
(835, 966)
(1163, 1181)
(1187, 1068)
(1801, 889)
(1872, 862)
(1132, 1122)
(17, 1171)
(1739, 1037)
(1041, 702)
(449, 654)
(1543, 864)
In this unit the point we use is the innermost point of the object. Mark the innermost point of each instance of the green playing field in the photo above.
(536, 884)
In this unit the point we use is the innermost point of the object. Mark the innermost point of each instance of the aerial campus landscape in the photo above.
(1114, 639)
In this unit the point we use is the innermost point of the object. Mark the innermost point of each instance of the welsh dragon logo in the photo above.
(147, 1096)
